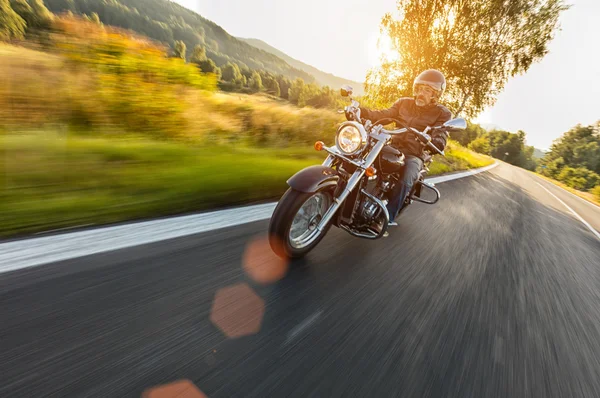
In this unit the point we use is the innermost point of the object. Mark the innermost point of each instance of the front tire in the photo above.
(292, 230)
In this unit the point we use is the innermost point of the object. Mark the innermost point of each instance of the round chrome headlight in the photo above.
(351, 138)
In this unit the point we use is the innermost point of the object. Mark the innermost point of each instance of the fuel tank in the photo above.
(390, 160)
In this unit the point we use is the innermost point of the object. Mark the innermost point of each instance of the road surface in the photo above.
(493, 292)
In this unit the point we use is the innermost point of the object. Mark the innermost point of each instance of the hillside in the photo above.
(322, 78)
(166, 22)
(100, 126)
(538, 153)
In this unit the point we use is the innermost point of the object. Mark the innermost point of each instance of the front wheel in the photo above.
(293, 228)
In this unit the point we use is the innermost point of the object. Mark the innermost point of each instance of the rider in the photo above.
(418, 112)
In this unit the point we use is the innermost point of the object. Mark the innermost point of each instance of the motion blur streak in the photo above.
(491, 293)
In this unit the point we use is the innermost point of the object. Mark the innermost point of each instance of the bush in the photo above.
(98, 77)
(481, 145)
(578, 178)
(596, 192)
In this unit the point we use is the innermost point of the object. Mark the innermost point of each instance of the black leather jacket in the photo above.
(407, 111)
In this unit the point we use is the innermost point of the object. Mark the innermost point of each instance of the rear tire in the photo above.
(281, 223)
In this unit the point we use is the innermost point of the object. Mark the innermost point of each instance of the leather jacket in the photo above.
(418, 117)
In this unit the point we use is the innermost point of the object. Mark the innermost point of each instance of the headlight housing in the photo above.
(351, 138)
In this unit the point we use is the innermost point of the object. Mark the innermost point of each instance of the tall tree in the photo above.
(11, 24)
(477, 44)
(296, 92)
(231, 73)
(198, 55)
(208, 66)
(179, 49)
(579, 147)
(256, 82)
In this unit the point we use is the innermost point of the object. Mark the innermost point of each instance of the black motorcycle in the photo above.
(350, 189)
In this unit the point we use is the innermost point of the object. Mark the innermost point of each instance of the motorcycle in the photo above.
(350, 189)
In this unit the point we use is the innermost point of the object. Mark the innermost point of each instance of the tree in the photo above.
(12, 26)
(208, 66)
(273, 88)
(95, 18)
(579, 147)
(578, 178)
(180, 49)
(22, 8)
(575, 157)
(35, 14)
(255, 82)
(465, 137)
(296, 93)
(284, 86)
(477, 44)
(198, 55)
(231, 72)
(481, 145)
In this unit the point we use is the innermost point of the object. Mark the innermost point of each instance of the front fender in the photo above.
(313, 178)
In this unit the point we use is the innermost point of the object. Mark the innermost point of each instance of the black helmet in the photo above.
(432, 78)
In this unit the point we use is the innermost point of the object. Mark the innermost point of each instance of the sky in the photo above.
(340, 36)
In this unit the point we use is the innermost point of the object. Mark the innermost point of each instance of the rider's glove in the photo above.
(427, 137)
(439, 143)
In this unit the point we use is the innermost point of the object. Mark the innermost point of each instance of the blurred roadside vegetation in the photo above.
(574, 160)
(99, 125)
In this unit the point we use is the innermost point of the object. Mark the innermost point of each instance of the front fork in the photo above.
(352, 182)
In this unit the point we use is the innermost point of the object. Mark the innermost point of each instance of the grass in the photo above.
(458, 158)
(53, 180)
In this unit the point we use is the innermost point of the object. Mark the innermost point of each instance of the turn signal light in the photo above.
(371, 171)
(319, 145)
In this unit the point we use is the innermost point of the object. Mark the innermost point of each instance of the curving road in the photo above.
(493, 292)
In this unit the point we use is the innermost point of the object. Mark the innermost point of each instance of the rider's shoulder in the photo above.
(404, 101)
(444, 111)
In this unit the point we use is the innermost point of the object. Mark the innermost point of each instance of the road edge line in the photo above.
(39, 250)
(572, 211)
(563, 189)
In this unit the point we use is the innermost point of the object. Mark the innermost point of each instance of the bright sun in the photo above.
(380, 49)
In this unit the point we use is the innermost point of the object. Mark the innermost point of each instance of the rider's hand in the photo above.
(348, 113)
(427, 137)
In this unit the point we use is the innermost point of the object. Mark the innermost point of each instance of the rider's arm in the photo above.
(439, 137)
(374, 116)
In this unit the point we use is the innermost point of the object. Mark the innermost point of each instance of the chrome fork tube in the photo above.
(351, 184)
(329, 161)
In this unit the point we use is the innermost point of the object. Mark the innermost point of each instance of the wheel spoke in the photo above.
(310, 213)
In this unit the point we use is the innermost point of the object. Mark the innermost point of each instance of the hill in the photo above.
(538, 153)
(166, 22)
(322, 78)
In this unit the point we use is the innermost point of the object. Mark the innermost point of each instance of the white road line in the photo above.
(570, 193)
(450, 177)
(303, 325)
(572, 211)
(48, 249)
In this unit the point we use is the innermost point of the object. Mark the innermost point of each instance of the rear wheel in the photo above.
(293, 228)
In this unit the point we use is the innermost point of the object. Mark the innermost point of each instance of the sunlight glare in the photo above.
(381, 50)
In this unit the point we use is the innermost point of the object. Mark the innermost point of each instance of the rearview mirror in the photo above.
(456, 124)
(346, 91)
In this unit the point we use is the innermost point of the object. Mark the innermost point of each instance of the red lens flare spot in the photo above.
(177, 389)
(237, 311)
(260, 262)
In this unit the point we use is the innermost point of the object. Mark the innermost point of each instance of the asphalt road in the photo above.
(493, 292)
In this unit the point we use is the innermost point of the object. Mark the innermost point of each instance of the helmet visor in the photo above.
(419, 88)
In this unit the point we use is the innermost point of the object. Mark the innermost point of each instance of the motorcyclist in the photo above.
(418, 112)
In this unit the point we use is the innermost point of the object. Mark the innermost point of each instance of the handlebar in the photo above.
(354, 110)
(417, 132)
